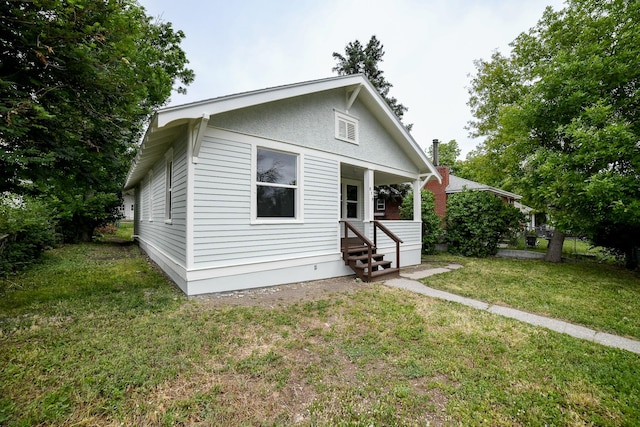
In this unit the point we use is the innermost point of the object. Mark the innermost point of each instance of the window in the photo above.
(168, 187)
(346, 128)
(380, 204)
(276, 184)
(150, 194)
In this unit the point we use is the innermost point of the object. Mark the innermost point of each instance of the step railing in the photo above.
(389, 233)
(345, 248)
(371, 246)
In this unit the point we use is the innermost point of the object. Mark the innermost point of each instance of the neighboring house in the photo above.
(387, 202)
(452, 184)
(249, 190)
(127, 208)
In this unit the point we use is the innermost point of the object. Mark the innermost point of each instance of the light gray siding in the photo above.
(408, 231)
(223, 232)
(309, 121)
(152, 228)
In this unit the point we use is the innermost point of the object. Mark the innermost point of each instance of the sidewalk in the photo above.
(409, 281)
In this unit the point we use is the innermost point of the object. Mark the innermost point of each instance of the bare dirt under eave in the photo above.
(282, 295)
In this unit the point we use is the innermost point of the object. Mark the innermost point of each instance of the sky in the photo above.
(430, 46)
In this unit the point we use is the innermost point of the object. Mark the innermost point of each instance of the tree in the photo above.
(477, 221)
(481, 166)
(26, 230)
(359, 59)
(431, 228)
(560, 116)
(78, 81)
(448, 153)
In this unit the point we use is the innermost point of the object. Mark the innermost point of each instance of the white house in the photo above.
(258, 188)
(128, 207)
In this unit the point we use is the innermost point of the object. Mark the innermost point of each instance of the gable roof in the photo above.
(169, 122)
(457, 184)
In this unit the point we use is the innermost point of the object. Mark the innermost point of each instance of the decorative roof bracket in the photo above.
(197, 133)
(351, 97)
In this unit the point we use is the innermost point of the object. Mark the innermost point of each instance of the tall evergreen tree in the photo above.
(359, 59)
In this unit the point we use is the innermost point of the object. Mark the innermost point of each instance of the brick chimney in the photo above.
(439, 189)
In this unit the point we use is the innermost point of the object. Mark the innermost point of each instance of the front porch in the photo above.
(377, 248)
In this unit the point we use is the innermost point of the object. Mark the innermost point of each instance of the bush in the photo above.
(27, 228)
(80, 215)
(431, 228)
(477, 221)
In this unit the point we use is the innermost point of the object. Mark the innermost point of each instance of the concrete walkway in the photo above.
(409, 281)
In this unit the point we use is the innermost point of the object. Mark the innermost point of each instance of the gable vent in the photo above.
(346, 128)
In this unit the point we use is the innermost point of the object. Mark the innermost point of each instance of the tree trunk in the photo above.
(554, 251)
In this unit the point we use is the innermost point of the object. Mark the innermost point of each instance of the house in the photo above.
(451, 184)
(127, 208)
(274, 186)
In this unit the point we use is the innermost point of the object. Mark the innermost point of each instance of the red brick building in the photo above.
(439, 190)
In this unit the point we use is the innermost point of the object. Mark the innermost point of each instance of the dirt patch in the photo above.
(283, 295)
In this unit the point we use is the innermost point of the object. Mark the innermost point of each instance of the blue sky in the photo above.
(241, 45)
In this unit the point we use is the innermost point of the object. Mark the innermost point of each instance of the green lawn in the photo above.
(125, 230)
(95, 336)
(573, 248)
(600, 296)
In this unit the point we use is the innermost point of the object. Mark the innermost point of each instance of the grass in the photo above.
(125, 230)
(95, 336)
(601, 296)
(572, 248)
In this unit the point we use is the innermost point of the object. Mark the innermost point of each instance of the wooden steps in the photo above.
(357, 257)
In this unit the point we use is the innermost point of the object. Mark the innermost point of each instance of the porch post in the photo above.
(367, 190)
(417, 200)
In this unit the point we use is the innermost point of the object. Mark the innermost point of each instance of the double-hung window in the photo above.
(277, 192)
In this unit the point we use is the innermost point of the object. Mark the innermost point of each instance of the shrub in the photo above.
(27, 226)
(477, 221)
(431, 228)
(80, 215)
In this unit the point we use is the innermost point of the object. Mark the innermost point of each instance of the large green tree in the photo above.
(560, 116)
(365, 59)
(448, 153)
(78, 80)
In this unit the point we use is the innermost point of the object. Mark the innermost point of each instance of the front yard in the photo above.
(95, 336)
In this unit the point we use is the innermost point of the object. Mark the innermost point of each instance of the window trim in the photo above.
(299, 193)
(348, 120)
(169, 182)
(381, 206)
(150, 195)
